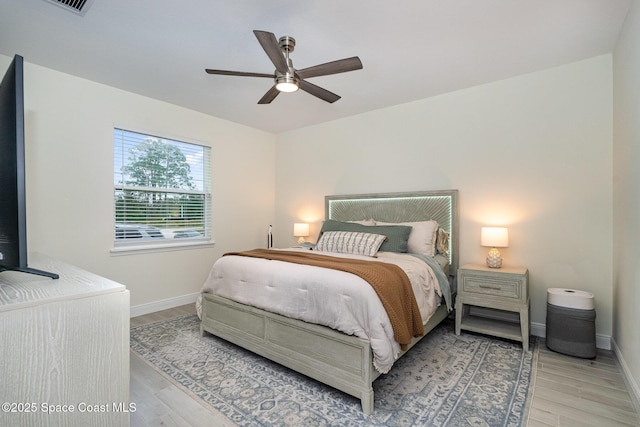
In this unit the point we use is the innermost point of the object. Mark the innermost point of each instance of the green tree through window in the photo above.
(156, 164)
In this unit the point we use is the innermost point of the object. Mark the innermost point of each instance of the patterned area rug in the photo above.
(445, 380)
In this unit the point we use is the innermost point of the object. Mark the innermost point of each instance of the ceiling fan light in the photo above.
(287, 87)
(286, 83)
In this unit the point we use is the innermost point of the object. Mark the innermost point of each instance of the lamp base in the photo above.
(494, 259)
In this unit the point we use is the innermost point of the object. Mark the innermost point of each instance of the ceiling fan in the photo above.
(287, 78)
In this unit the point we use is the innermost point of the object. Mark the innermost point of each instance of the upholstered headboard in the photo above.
(441, 206)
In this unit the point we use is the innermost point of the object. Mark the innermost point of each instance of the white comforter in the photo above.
(339, 300)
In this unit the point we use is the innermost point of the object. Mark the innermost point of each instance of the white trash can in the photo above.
(571, 325)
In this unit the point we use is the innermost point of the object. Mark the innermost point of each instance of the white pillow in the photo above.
(350, 242)
(422, 239)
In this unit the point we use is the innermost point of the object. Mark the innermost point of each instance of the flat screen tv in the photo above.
(13, 215)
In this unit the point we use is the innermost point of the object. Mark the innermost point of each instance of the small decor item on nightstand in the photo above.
(494, 237)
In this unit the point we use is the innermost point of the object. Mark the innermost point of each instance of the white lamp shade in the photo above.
(494, 237)
(300, 229)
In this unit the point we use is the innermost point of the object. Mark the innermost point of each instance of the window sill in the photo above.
(159, 247)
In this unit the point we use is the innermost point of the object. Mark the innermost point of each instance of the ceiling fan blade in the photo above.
(238, 73)
(333, 67)
(269, 96)
(321, 93)
(271, 47)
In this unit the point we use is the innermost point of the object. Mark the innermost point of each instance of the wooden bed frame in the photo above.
(342, 361)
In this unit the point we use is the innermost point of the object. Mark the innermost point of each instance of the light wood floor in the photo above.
(568, 391)
(580, 392)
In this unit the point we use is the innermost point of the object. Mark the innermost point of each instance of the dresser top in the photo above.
(19, 290)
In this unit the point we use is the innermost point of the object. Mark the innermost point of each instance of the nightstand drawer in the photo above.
(492, 286)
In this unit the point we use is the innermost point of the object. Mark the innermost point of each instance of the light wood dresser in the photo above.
(64, 348)
(494, 301)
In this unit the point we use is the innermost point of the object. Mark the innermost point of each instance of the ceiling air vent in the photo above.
(79, 7)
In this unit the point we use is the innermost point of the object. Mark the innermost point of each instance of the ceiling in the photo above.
(410, 50)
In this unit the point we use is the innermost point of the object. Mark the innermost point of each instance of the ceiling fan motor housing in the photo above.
(288, 82)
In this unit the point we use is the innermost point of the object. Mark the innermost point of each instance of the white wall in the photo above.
(69, 135)
(532, 153)
(626, 192)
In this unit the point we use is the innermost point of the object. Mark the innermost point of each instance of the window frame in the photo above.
(123, 247)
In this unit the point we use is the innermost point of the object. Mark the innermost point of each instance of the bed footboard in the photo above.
(341, 361)
(333, 358)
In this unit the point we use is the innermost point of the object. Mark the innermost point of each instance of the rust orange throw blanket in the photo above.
(388, 280)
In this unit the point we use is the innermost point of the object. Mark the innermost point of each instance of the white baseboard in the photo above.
(632, 385)
(164, 304)
(602, 341)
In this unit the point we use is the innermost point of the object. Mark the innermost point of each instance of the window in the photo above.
(162, 191)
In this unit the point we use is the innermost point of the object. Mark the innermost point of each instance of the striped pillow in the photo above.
(349, 242)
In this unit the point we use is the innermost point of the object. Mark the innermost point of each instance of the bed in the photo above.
(341, 360)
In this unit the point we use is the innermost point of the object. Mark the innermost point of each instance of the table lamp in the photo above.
(494, 237)
(301, 230)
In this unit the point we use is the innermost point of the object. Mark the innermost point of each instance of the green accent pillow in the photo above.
(397, 235)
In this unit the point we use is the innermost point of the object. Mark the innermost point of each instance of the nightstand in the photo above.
(494, 301)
